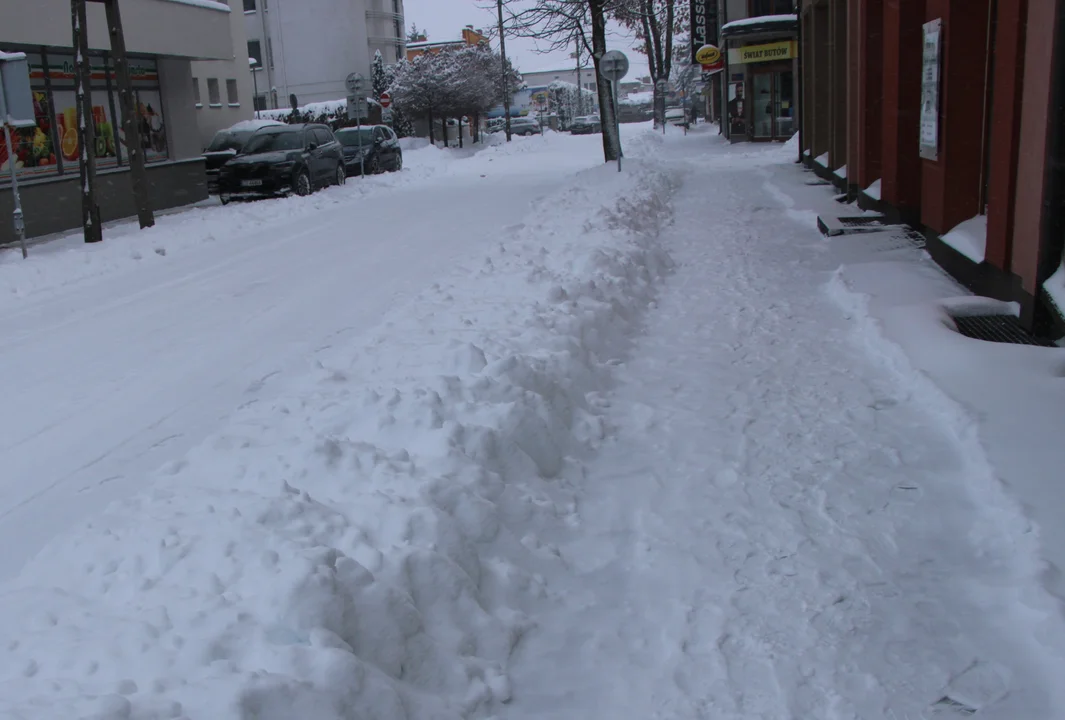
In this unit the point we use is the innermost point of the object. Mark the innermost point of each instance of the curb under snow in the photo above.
(358, 549)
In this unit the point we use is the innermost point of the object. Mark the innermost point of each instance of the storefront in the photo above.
(162, 38)
(762, 59)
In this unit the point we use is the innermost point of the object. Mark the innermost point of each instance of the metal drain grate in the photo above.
(861, 221)
(818, 182)
(997, 328)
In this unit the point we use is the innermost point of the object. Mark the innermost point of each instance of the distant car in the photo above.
(495, 125)
(676, 116)
(281, 160)
(226, 144)
(524, 126)
(587, 125)
(379, 151)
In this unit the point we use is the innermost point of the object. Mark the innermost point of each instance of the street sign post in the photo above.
(16, 111)
(356, 109)
(614, 66)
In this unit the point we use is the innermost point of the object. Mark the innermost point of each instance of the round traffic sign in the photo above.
(353, 82)
(614, 65)
(386, 100)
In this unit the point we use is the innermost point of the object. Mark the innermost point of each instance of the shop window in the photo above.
(214, 96)
(249, 5)
(33, 149)
(260, 102)
(231, 93)
(196, 91)
(255, 51)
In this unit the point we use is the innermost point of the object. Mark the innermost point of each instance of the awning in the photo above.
(760, 26)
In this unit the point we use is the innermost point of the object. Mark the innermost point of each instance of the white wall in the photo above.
(386, 29)
(212, 119)
(157, 27)
(315, 44)
(179, 112)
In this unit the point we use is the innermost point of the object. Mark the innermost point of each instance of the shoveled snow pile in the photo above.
(361, 547)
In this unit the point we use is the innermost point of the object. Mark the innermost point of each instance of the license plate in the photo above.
(251, 183)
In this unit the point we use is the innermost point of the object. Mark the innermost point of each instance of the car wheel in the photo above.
(375, 166)
(399, 163)
(302, 184)
(341, 176)
(224, 199)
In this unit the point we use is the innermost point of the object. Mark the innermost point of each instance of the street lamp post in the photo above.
(253, 64)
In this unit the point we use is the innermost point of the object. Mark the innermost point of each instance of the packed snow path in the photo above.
(783, 526)
(106, 379)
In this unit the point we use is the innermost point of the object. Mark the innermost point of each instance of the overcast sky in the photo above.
(444, 19)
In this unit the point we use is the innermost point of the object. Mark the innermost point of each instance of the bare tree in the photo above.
(560, 23)
(655, 23)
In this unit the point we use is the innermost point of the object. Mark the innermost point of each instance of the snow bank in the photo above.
(969, 238)
(873, 190)
(361, 547)
(1055, 288)
(841, 173)
(822, 160)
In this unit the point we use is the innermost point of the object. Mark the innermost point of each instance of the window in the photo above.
(196, 92)
(249, 5)
(322, 136)
(255, 51)
(231, 93)
(771, 7)
(214, 97)
(379, 135)
(260, 102)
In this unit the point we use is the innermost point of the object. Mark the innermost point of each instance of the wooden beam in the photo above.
(90, 212)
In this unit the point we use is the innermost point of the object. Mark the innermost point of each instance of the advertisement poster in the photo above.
(33, 152)
(929, 147)
(66, 119)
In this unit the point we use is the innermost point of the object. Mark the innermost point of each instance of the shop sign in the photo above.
(783, 50)
(704, 26)
(710, 57)
(929, 144)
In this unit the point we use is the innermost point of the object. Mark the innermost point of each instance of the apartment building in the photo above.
(163, 39)
(223, 89)
(306, 48)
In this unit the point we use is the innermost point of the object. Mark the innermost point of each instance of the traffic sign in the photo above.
(614, 65)
(386, 100)
(356, 107)
(354, 82)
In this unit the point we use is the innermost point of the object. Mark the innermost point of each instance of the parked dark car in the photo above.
(227, 144)
(281, 160)
(376, 145)
(524, 126)
(587, 125)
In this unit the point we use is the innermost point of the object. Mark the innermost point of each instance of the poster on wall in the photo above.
(33, 151)
(66, 120)
(929, 148)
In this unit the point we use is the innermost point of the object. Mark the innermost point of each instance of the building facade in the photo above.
(948, 115)
(306, 48)
(223, 89)
(470, 38)
(163, 38)
(760, 91)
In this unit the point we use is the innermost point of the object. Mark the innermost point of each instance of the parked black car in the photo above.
(280, 160)
(227, 144)
(586, 125)
(376, 145)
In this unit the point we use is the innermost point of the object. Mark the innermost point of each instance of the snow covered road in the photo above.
(105, 380)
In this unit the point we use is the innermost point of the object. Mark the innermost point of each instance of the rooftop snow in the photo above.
(12, 56)
(208, 4)
(761, 20)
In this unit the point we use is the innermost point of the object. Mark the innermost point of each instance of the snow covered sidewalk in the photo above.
(782, 525)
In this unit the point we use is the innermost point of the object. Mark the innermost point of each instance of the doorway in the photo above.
(772, 100)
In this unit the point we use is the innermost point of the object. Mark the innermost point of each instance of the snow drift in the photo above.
(360, 547)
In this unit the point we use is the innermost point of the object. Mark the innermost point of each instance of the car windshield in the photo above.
(352, 138)
(228, 141)
(272, 141)
(676, 112)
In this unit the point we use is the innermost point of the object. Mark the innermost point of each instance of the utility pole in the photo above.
(580, 88)
(90, 212)
(130, 124)
(506, 74)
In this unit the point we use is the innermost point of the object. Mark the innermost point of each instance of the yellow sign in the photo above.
(783, 50)
(707, 55)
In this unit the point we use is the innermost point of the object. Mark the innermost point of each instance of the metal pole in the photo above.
(358, 131)
(20, 227)
(255, 90)
(617, 122)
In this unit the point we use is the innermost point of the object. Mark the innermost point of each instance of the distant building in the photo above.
(307, 48)
(470, 38)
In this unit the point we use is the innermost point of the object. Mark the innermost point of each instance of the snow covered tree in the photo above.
(379, 75)
(569, 101)
(422, 88)
(415, 35)
(655, 23)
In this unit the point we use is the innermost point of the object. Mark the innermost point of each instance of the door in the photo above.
(783, 105)
(762, 106)
(325, 156)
